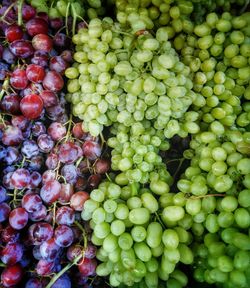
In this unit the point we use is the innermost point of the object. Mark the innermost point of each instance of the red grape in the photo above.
(12, 136)
(18, 79)
(37, 26)
(4, 212)
(91, 149)
(87, 267)
(35, 73)
(21, 48)
(102, 166)
(49, 98)
(65, 215)
(31, 202)
(28, 12)
(40, 232)
(31, 106)
(57, 131)
(11, 275)
(20, 178)
(12, 253)
(78, 199)
(58, 64)
(49, 250)
(66, 192)
(13, 32)
(18, 218)
(53, 81)
(64, 236)
(11, 103)
(45, 143)
(50, 191)
(42, 42)
(44, 267)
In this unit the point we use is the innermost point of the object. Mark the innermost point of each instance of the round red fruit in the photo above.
(42, 42)
(37, 26)
(31, 106)
(13, 32)
(11, 275)
(35, 73)
(53, 81)
(22, 48)
(18, 79)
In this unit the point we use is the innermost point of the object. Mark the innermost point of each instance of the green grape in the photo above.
(139, 216)
(110, 243)
(102, 230)
(142, 251)
(125, 241)
(170, 239)
(128, 258)
(154, 234)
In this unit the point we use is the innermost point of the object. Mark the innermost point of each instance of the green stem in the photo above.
(4, 88)
(133, 189)
(19, 15)
(66, 268)
(74, 19)
(208, 195)
(85, 240)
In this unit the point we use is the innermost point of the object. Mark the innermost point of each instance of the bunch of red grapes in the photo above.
(48, 163)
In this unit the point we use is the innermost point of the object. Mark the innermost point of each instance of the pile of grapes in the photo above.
(143, 180)
(48, 163)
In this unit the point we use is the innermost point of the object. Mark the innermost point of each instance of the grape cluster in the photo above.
(217, 183)
(128, 78)
(136, 246)
(49, 164)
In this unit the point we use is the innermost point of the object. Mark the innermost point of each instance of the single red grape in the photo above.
(87, 267)
(31, 106)
(32, 202)
(91, 149)
(11, 275)
(20, 178)
(78, 199)
(28, 12)
(35, 73)
(57, 131)
(37, 26)
(12, 253)
(21, 48)
(50, 98)
(42, 42)
(18, 218)
(50, 191)
(65, 215)
(13, 32)
(11, 103)
(18, 79)
(53, 81)
(64, 236)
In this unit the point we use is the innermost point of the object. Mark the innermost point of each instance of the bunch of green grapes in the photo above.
(147, 14)
(126, 78)
(217, 184)
(218, 53)
(140, 233)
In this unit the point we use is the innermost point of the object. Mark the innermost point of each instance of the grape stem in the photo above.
(133, 189)
(19, 15)
(66, 268)
(83, 234)
(208, 195)
(4, 88)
